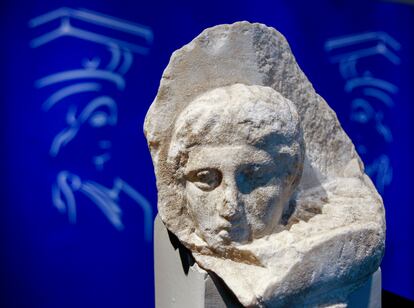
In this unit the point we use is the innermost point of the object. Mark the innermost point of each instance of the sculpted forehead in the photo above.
(231, 155)
(238, 113)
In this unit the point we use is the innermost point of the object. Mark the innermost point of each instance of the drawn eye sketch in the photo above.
(100, 112)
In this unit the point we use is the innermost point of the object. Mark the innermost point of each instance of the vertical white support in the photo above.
(181, 283)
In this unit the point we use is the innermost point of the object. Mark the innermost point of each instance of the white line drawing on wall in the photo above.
(80, 74)
(101, 111)
(65, 28)
(372, 97)
(348, 50)
(121, 39)
(68, 91)
(106, 199)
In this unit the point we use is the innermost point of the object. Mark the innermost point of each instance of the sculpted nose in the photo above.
(228, 208)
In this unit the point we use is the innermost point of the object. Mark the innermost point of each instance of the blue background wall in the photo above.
(78, 191)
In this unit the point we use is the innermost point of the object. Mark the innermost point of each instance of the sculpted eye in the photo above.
(205, 179)
(253, 176)
(255, 172)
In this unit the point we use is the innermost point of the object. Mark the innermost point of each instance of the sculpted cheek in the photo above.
(263, 199)
(193, 196)
(201, 203)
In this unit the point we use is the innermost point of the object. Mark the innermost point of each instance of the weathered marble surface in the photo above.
(256, 176)
(181, 283)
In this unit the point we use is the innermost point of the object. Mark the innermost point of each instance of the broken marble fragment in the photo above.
(256, 176)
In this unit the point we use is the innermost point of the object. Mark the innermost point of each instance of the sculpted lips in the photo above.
(224, 234)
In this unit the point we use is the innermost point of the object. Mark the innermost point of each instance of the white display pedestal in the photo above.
(180, 283)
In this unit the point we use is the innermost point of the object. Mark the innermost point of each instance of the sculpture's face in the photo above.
(240, 150)
(235, 193)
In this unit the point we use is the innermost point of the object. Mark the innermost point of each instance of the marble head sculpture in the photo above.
(256, 176)
(238, 154)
